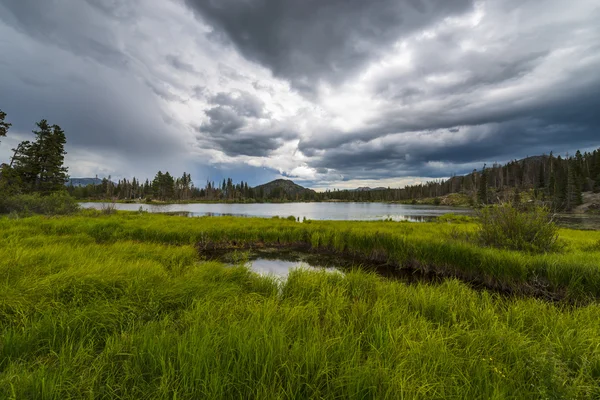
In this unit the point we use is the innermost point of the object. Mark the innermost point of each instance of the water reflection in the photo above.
(312, 211)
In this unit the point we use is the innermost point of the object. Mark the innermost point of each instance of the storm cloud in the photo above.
(330, 93)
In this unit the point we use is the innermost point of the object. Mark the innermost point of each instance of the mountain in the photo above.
(280, 188)
(83, 181)
(366, 189)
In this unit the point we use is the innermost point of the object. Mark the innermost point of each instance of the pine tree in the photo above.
(482, 193)
(573, 188)
(40, 164)
(541, 177)
(597, 184)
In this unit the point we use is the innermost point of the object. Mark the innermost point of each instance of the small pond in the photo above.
(279, 262)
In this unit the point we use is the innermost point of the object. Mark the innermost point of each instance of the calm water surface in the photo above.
(314, 211)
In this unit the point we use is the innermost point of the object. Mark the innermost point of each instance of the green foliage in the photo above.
(40, 163)
(54, 204)
(10, 181)
(4, 126)
(455, 218)
(506, 226)
(482, 193)
(138, 317)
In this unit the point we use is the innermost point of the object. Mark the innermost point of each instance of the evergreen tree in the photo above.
(573, 188)
(40, 164)
(482, 193)
(4, 126)
(541, 177)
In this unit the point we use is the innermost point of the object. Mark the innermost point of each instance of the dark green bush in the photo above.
(505, 226)
(54, 204)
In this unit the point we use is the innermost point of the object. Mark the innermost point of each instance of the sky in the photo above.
(330, 94)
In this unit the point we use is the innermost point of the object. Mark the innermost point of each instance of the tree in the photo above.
(40, 164)
(573, 188)
(4, 126)
(482, 193)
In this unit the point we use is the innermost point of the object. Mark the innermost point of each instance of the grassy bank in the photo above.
(122, 307)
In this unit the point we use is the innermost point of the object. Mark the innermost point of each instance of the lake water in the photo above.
(314, 211)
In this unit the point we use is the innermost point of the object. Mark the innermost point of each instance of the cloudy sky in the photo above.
(330, 93)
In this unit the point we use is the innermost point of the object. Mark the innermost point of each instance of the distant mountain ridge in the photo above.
(84, 181)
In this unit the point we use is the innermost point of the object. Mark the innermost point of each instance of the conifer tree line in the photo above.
(554, 180)
(35, 166)
(164, 187)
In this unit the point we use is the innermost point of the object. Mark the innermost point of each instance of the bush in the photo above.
(504, 226)
(54, 204)
(109, 208)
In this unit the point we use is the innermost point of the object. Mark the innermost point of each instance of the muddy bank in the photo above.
(379, 262)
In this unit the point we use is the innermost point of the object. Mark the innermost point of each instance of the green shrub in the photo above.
(54, 204)
(505, 226)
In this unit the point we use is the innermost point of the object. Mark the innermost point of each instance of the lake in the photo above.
(314, 211)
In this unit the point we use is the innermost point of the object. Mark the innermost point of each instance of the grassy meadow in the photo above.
(123, 306)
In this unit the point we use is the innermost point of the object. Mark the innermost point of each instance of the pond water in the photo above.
(279, 262)
(332, 211)
(314, 211)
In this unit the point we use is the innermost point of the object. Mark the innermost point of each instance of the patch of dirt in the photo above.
(591, 204)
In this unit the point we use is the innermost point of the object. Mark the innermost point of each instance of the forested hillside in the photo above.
(557, 181)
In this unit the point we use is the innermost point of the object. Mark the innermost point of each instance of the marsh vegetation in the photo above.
(124, 306)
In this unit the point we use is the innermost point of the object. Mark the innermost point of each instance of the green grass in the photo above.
(122, 307)
(573, 273)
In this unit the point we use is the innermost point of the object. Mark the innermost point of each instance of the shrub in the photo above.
(291, 218)
(55, 204)
(109, 208)
(506, 227)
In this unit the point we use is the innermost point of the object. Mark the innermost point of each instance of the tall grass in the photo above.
(573, 273)
(122, 307)
(505, 226)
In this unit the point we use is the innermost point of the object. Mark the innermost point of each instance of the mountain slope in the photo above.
(282, 188)
(83, 181)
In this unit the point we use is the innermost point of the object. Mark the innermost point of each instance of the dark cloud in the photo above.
(72, 26)
(70, 71)
(309, 40)
(232, 125)
(388, 88)
(456, 151)
(222, 121)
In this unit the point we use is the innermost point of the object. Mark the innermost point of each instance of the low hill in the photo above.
(282, 188)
